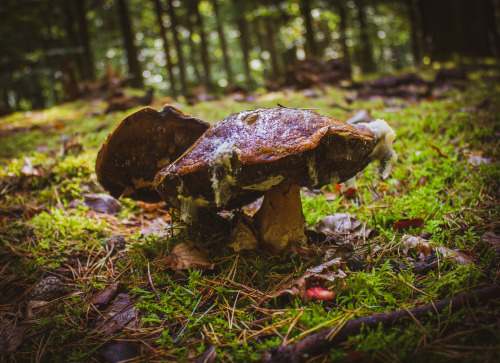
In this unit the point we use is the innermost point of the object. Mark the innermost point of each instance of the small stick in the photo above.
(317, 343)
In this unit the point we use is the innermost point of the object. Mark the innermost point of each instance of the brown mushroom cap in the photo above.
(141, 145)
(248, 153)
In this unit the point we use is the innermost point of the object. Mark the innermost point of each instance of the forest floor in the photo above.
(86, 279)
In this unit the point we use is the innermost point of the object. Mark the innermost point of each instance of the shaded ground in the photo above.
(108, 292)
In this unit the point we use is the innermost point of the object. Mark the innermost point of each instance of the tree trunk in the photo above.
(414, 33)
(367, 63)
(72, 37)
(223, 43)
(128, 38)
(244, 40)
(193, 54)
(166, 47)
(271, 47)
(340, 7)
(178, 48)
(88, 58)
(311, 47)
(205, 58)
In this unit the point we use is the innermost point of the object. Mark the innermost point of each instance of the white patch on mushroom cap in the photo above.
(383, 151)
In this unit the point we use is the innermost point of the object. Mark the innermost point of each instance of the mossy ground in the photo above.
(187, 312)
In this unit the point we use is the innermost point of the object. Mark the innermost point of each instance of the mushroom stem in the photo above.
(280, 221)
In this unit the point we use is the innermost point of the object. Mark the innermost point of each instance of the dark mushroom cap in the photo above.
(248, 153)
(141, 145)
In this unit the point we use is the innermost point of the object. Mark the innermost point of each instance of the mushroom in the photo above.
(272, 152)
(141, 145)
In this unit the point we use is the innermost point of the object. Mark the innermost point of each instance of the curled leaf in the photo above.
(423, 248)
(192, 255)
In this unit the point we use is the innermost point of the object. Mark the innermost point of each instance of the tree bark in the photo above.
(244, 40)
(340, 7)
(271, 47)
(178, 48)
(223, 44)
(88, 58)
(166, 47)
(367, 63)
(311, 48)
(414, 32)
(128, 39)
(205, 58)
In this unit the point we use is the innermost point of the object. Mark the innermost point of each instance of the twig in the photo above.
(316, 343)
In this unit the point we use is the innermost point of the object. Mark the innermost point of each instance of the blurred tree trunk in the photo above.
(166, 47)
(205, 58)
(193, 53)
(223, 43)
(459, 27)
(256, 29)
(178, 48)
(88, 58)
(244, 39)
(73, 41)
(271, 46)
(414, 32)
(128, 39)
(311, 47)
(340, 7)
(366, 55)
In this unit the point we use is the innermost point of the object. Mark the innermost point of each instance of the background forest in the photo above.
(52, 50)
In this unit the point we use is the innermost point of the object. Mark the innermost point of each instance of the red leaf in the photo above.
(320, 293)
(405, 224)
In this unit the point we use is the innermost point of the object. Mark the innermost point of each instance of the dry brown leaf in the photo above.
(328, 271)
(424, 247)
(102, 203)
(344, 227)
(103, 297)
(192, 255)
(243, 235)
(492, 239)
(122, 313)
(11, 334)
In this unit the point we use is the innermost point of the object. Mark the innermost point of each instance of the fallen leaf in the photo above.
(243, 235)
(120, 314)
(405, 224)
(360, 116)
(120, 352)
(11, 334)
(28, 169)
(476, 157)
(423, 248)
(102, 203)
(492, 239)
(35, 309)
(329, 271)
(104, 297)
(338, 223)
(343, 227)
(192, 255)
(320, 293)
